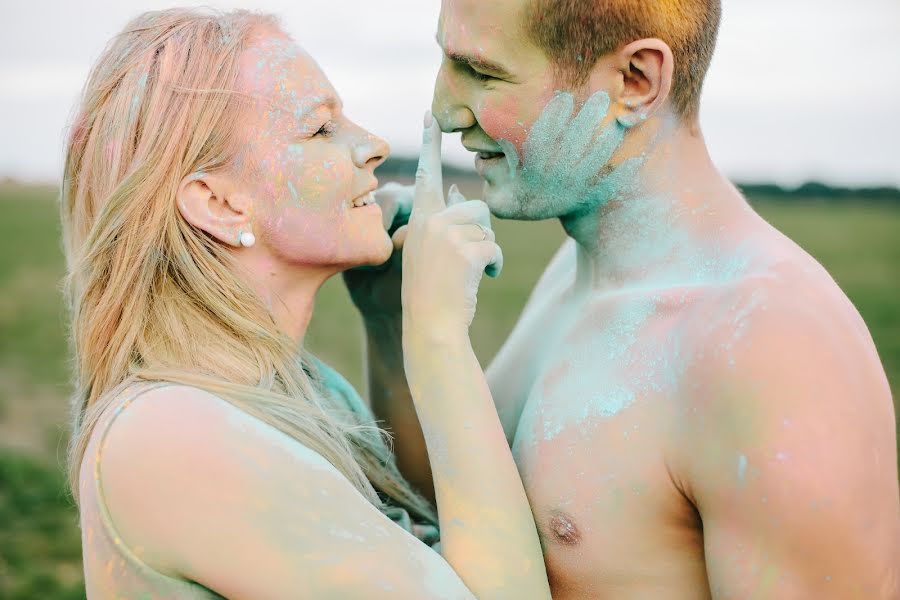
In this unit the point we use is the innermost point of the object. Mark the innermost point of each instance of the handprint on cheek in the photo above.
(566, 162)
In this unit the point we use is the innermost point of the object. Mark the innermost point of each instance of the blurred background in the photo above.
(801, 109)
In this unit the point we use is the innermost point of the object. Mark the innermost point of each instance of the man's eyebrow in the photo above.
(480, 64)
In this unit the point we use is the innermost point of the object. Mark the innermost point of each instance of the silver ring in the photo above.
(484, 231)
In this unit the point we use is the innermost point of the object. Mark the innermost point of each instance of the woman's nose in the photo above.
(370, 152)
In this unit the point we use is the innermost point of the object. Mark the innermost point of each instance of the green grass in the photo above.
(858, 243)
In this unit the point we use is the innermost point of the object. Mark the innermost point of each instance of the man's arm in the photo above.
(376, 293)
(789, 454)
(391, 401)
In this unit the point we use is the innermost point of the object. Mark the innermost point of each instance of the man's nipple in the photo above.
(563, 529)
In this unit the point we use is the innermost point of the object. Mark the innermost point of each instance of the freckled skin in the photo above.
(695, 407)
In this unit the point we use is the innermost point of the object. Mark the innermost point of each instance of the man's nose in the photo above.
(449, 105)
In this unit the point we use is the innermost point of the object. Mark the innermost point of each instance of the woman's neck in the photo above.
(289, 291)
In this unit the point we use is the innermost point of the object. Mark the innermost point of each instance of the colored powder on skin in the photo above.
(566, 172)
(741, 321)
(579, 399)
(293, 190)
(742, 470)
(347, 535)
(562, 157)
(295, 151)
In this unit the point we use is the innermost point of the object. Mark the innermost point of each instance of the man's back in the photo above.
(693, 436)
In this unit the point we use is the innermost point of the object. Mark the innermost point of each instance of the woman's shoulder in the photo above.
(182, 425)
(206, 489)
(177, 461)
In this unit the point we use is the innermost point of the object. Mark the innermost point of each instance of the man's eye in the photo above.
(326, 130)
(481, 76)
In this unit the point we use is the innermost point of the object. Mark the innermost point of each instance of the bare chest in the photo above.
(591, 445)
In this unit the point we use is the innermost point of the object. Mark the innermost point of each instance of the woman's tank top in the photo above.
(114, 570)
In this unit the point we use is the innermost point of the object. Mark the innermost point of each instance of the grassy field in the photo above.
(858, 242)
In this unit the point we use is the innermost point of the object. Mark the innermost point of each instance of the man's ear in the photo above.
(206, 201)
(646, 68)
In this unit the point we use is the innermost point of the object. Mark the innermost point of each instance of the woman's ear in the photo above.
(646, 68)
(207, 202)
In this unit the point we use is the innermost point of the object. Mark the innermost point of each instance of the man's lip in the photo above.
(482, 150)
(488, 155)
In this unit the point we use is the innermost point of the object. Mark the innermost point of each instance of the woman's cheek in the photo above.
(323, 188)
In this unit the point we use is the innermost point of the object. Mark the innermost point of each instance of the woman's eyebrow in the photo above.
(301, 113)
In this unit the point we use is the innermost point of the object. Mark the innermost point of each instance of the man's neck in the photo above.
(656, 232)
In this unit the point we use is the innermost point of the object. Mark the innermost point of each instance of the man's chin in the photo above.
(500, 199)
(506, 202)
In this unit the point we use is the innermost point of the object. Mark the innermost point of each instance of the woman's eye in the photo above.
(326, 130)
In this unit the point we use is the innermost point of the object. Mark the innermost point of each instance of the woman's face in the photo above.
(306, 164)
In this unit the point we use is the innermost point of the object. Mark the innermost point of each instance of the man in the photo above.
(695, 407)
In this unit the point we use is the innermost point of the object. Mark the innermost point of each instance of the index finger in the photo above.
(429, 196)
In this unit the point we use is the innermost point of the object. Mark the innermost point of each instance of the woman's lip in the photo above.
(367, 199)
(489, 155)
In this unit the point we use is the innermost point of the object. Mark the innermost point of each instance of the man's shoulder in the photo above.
(783, 339)
(789, 304)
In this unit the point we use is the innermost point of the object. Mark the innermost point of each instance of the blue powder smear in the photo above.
(294, 194)
(136, 99)
(742, 469)
(586, 392)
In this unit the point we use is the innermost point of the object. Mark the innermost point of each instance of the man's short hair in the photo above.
(574, 34)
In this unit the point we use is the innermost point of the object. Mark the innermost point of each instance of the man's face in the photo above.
(492, 86)
(543, 152)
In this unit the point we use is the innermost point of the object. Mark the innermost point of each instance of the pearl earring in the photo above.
(626, 121)
(247, 239)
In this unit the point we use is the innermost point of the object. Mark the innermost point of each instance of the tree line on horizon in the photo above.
(404, 167)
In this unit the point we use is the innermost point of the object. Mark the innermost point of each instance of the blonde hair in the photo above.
(152, 298)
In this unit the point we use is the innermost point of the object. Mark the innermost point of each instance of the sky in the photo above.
(799, 90)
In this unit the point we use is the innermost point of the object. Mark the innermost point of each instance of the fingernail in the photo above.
(429, 118)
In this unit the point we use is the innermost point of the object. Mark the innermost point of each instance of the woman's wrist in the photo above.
(435, 362)
(433, 336)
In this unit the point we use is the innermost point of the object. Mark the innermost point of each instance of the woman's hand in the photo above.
(448, 246)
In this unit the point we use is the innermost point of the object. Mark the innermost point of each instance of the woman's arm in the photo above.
(216, 496)
(487, 529)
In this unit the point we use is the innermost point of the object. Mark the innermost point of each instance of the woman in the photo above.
(212, 184)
